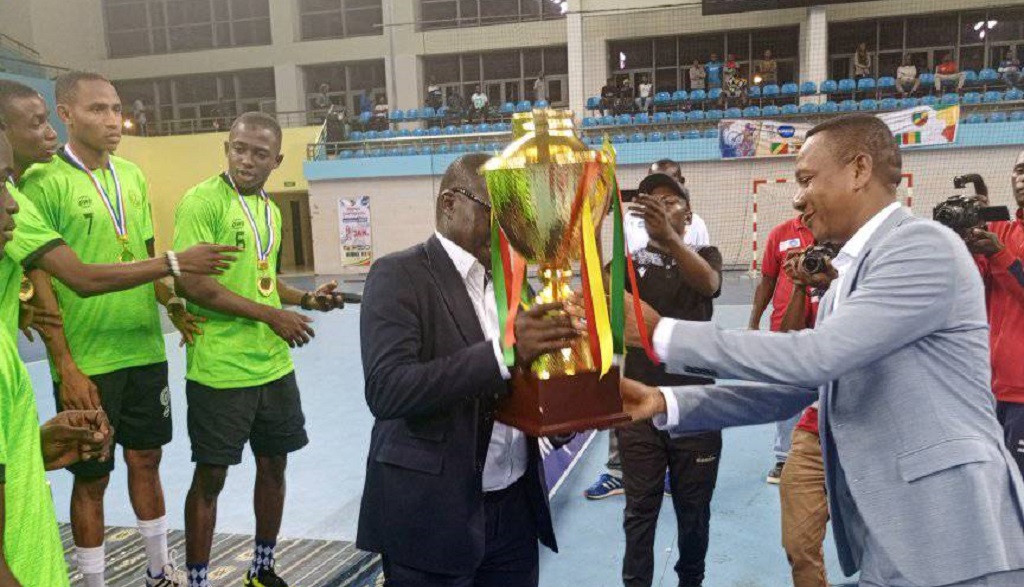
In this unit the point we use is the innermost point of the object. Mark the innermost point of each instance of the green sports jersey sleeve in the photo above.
(44, 192)
(194, 222)
(147, 218)
(32, 235)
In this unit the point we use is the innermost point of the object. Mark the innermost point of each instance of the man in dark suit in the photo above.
(452, 498)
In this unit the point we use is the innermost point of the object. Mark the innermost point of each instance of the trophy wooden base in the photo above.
(560, 405)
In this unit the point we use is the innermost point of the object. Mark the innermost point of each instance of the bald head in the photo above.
(856, 134)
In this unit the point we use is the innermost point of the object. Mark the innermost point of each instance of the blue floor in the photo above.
(325, 479)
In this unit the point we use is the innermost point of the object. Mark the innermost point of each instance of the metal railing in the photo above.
(15, 44)
(189, 126)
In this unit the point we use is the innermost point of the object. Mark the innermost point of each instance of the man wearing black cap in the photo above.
(680, 281)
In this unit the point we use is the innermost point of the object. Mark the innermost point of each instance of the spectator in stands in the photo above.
(767, 69)
(906, 76)
(627, 94)
(380, 113)
(775, 286)
(609, 96)
(998, 250)
(714, 71)
(480, 104)
(862, 66)
(366, 102)
(139, 113)
(456, 107)
(735, 84)
(644, 97)
(1009, 67)
(948, 71)
(698, 76)
(540, 88)
(802, 486)
(434, 95)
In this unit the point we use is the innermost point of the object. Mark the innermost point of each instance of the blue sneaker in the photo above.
(605, 486)
(668, 487)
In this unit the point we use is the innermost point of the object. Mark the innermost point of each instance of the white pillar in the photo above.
(403, 70)
(288, 85)
(574, 37)
(814, 46)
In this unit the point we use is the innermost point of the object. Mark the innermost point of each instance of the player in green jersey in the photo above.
(241, 382)
(30, 548)
(99, 206)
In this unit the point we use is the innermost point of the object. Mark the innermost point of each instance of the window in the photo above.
(345, 84)
(338, 19)
(665, 60)
(446, 14)
(201, 102)
(152, 27)
(505, 76)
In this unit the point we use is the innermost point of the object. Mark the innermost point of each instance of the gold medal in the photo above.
(265, 285)
(126, 255)
(27, 291)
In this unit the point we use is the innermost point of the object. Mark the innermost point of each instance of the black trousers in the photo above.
(692, 463)
(511, 556)
(1011, 416)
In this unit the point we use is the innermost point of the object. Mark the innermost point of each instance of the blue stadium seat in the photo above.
(410, 151)
(365, 117)
(929, 101)
(675, 136)
(927, 80)
(888, 104)
(451, 129)
(542, 104)
(809, 108)
(714, 94)
(660, 117)
(346, 154)
(427, 113)
(808, 89)
(642, 118)
(1017, 116)
(427, 149)
(770, 91)
(370, 135)
(396, 116)
(403, 133)
(972, 98)
(974, 118)
(829, 107)
(662, 99)
(866, 84)
(607, 120)
(868, 105)
(998, 117)
(387, 134)
(829, 86)
(594, 103)
(790, 109)
(734, 113)
(887, 83)
(698, 96)
(623, 120)
(359, 153)
(476, 148)
(589, 121)
(751, 112)
(442, 112)
(375, 153)
(524, 106)
(679, 96)
(677, 117)
(467, 129)
(991, 96)
(443, 149)
(847, 105)
(715, 114)
(356, 135)
(655, 137)
(696, 115)
(508, 108)
(434, 131)
(770, 110)
(754, 92)
(988, 76)
(619, 139)
(412, 114)
(789, 90)
(711, 133)
(638, 137)
(691, 134)
(909, 102)
(394, 152)
(950, 99)
(970, 77)
(1013, 95)
(484, 127)
(847, 86)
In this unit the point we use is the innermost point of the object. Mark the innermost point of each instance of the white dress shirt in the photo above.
(696, 234)
(846, 259)
(506, 453)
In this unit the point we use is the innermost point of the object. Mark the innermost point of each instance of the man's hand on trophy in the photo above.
(632, 331)
(544, 328)
(641, 402)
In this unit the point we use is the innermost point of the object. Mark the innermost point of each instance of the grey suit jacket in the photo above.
(913, 451)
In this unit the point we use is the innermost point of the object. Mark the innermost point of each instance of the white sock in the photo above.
(91, 564)
(154, 534)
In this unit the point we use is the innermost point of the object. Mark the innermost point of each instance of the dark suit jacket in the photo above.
(431, 382)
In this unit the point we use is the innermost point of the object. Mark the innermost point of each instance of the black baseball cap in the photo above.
(656, 180)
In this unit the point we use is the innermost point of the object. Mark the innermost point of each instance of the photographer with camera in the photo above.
(802, 496)
(998, 249)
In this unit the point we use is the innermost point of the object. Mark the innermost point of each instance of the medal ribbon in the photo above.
(114, 209)
(261, 253)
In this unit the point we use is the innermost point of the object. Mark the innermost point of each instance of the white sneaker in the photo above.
(171, 577)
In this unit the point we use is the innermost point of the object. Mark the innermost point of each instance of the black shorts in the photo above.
(138, 404)
(268, 417)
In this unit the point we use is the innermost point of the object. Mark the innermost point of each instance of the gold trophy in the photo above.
(544, 187)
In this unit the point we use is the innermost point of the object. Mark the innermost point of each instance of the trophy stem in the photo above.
(575, 358)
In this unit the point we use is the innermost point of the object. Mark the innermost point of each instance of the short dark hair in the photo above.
(259, 120)
(853, 134)
(11, 91)
(66, 86)
(460, 174)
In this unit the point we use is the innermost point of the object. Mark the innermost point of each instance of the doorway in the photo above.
(296, 232)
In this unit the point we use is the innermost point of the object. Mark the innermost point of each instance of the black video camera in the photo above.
(963, 214)
(817, 257)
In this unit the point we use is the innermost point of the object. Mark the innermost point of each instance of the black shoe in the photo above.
(775, 475)
(264, 578)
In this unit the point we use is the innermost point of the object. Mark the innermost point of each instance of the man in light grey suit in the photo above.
(922, 491)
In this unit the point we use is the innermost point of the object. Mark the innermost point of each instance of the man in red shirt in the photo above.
(948, 71)
(802, 496)
(776, 286)
(999, 253)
